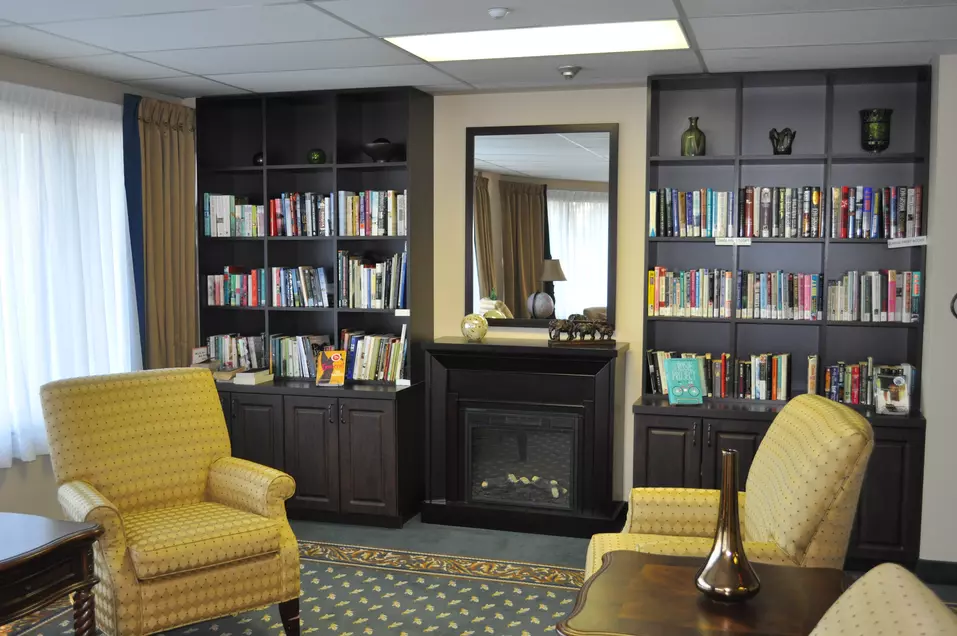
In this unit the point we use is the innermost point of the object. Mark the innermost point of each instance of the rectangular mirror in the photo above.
(541, 213)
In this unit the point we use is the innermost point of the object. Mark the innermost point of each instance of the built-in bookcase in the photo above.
(284, 127)
(736, 112)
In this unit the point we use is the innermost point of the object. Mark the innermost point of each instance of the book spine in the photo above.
(748, 211)
(816, 213)
(652, 213)
(918, 197)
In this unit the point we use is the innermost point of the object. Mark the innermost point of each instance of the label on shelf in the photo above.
(403, 312)
(403, 382)
(910, 241)
(738, 240)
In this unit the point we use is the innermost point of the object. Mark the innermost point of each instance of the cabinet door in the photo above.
(367, 477)
(887, 526)
(719, 435)
(225, 401)
(312, 451)
(257, 428)
(667, 451)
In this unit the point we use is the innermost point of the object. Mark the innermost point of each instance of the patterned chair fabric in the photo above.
(887, 600)
(802, 493)
(190, 532)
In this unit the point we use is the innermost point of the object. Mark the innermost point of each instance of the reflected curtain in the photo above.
(578, 233)
(523, 231)
(167, 138)
(482, 215)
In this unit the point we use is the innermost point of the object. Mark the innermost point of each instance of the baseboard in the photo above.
(937, 572)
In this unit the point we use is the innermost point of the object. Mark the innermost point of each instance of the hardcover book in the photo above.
(331, 368)
(683, 377)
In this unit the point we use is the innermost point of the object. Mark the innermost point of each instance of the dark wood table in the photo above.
(635, 594)
(42, 560)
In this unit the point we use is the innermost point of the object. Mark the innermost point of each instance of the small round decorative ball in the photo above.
(495, 313)
(316, 155)
(540, 305)
(258, 159)
(474, 327)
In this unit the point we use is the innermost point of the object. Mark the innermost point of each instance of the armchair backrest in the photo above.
(806, 478)
(145, 439)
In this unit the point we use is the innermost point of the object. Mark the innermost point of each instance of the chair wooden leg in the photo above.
(289, 612)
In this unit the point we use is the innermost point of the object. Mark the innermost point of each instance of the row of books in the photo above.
(237, 287)
(887, 386)
(302, 214)
(225, 215)
(752, 211)
(373, 213)
(779, 296)
(761, 376)
(368, 284)
(877, 213)
(295, 356)
(875, 296)
(695, 293)
(232, 351)
(375, 356)
(303, 286)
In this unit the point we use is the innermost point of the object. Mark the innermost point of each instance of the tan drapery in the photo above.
(523, 242)
(167, 142)
(482, 214)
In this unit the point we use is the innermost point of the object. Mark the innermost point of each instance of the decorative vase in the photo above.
(316, 155)
(692, 140)
(258, 159)
(474, 327)
(727, 575)
(781, 141)
(876, 129)
(540, 305)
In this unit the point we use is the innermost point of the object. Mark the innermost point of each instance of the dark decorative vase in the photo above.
(258, 159)
(781, 141)
(727, 576)
(692, 140)
(316, 155)
(876, 129)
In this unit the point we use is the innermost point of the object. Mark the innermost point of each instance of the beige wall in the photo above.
(29, 487)
(625, 106)
(939, 523)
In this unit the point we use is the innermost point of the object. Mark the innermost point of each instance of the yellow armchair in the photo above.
(190, 533)
(802, 493)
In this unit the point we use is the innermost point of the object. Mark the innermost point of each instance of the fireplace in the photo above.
(522, 457)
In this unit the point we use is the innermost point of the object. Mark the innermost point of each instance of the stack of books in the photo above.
(295, 356)
(303, 286)
(876, 213)
(696, 293)
(225, 215)
(232, 351)
(302, 214)
(369, 284)
(779, 296)
(875, 296)
(378, 357)
(886, 386)
(761, 376)
(373, 213)
(237, 287)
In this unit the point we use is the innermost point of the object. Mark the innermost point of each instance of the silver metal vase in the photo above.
(727, 575)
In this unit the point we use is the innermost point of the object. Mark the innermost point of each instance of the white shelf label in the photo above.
(738, 240)
(910, 241)
(403, 382)
(403, 312)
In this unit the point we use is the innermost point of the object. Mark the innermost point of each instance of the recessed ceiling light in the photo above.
(578, 39)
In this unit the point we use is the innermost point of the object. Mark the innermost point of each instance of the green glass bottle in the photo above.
(692, 140)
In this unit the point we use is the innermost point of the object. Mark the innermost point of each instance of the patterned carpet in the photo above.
(357, 591)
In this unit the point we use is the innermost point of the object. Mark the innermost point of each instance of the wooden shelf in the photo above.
(358, 310)
(769, 321)
(217, 239)
(303, 167)
(684, 319)
(309, 309)
(884, 157)
(301, 238)
(781, 159)
(884, 325)
(403, 237)
(386, 165)
(726, 160)
(233, 308)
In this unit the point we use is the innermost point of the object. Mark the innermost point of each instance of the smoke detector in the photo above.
(569, 72)
(497, 13)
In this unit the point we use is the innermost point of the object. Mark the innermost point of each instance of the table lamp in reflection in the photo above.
(540, 304)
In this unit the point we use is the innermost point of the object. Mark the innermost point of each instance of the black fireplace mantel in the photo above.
(522, 376)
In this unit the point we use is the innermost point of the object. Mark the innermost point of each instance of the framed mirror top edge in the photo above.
(541, 223)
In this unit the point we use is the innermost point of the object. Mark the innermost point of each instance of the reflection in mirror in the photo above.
(540, 225)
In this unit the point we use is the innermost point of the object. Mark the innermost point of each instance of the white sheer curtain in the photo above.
(67, 305)
(578, 237)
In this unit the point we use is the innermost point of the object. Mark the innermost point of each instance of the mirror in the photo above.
(541, 205)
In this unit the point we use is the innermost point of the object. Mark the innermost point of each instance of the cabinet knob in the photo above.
(694, 434)
(342, 417)
(709, 434)
(331, 416)
(235, 408)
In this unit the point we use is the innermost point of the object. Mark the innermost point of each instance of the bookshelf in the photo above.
(736, 111)
(284, 127)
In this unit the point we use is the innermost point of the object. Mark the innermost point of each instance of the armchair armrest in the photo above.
(81, 501)
(682, 512)
(249, 486)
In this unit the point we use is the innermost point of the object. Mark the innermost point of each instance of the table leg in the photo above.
(84, 612)
(289, 612)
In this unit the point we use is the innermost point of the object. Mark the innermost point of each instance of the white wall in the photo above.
(939, 523)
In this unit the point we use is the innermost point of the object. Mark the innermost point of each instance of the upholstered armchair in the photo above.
(887, 600)
(191, 533)
(800, 500)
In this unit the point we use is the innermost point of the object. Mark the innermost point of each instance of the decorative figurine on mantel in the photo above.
(474, 327)
(693, 140)
(577, 327)
(781, 141)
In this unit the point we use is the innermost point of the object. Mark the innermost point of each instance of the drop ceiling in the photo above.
(193, 48)
(578, 156)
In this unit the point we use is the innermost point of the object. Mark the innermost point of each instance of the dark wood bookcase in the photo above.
(674, 445)
(284, 127)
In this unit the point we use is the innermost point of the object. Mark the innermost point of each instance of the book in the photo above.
(373, 213)
(331, 368)
(683, 377)
(812, 362)
(226, 375)
(891, 391)
(253, 376)
(874, 296)
(365, 283)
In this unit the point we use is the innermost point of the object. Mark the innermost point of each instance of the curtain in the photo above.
(482, 222)
(523, 245)
(67, 304)
(167, 139)
(578, 237)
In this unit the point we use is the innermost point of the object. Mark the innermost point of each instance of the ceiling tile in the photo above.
(410, 17)
(832, 27)
(25, 42)
(291, 56)
(365, 77)
(188, 86)
(710, 8)
(788, 58)
(115, 66)
(36, 11)
(222, 27)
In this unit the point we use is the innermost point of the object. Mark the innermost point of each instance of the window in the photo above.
(578, 238)
(67, 305)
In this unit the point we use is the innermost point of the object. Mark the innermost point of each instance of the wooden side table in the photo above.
(649, 594)
(42, 560)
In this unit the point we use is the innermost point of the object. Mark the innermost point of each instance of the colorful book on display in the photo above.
(683, 376)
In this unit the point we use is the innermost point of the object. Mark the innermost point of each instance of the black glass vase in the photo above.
(876, 129)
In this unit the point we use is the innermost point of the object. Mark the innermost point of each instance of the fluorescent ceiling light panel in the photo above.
(578, 39)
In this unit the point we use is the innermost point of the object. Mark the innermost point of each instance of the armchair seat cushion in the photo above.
(178, 539)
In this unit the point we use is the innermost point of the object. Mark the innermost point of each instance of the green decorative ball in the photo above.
(316, 155)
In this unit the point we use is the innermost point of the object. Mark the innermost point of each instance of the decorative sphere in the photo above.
(316, 155)
(495, 313)
(258, 159)
(540, 305)
(474, 327)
